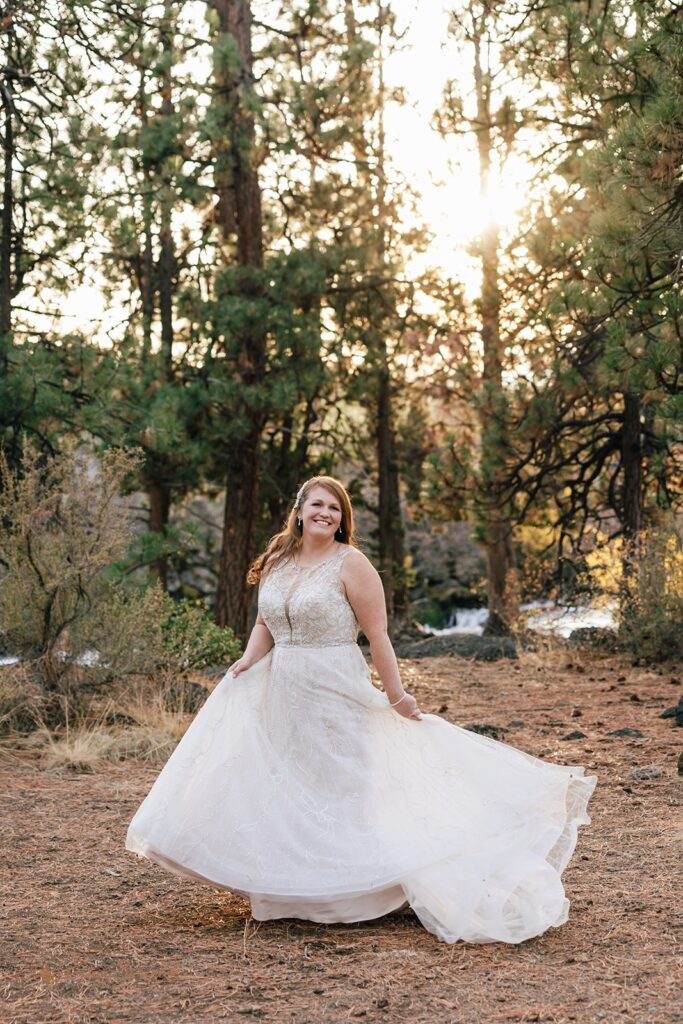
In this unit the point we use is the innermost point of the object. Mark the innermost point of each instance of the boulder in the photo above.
(495, 732)
(675, 712)
(597, 637)
(464, 645)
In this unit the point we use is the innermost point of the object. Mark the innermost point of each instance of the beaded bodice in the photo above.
(307, 606)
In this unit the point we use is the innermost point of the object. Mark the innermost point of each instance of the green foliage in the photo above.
(192, 640)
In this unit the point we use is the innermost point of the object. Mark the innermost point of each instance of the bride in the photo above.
(305, 788)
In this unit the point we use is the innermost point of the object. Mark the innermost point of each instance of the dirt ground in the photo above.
(91, 934)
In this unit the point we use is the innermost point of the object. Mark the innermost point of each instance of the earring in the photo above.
(298, 523)
(340, 532)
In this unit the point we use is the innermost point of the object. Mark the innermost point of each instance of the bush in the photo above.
(651, 604)
(73, 617)
(192, 640)
(62, 524)
(126, 636)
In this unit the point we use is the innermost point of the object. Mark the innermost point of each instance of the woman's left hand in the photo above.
(407, 707)
(242, 665)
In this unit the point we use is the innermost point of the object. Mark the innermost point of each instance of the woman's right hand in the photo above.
(241, 665)
(407, 707)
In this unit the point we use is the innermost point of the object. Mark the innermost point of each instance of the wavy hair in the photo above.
(288, 541)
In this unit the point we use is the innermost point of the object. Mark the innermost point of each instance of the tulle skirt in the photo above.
(299, 787)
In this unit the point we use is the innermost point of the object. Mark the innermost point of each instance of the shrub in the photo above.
(192, 640)
(125, 636)
(651, 603)
(62, 524)
(77, 621)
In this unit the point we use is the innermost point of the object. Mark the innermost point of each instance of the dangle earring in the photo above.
(340, 532)
(299, 523)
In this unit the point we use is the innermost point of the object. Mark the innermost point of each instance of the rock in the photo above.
(185, 695)
(211, 671)
(575, 735)
(516, 723)
(626, 732)
(465, 645)
(119, 718)
(593, 636)
(494, 731)
(651, 771)
(675, 712)
(680, 763)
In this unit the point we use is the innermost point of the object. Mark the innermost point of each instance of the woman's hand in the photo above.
(407, 707)
(260, 642)
(242, 665)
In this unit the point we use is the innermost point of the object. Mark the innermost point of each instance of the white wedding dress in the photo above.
(298, 786)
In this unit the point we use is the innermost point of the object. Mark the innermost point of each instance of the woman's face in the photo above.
(321, 513)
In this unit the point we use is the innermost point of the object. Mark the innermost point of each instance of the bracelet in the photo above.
(397, 701)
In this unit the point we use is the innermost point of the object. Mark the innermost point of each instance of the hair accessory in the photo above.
(299, 495)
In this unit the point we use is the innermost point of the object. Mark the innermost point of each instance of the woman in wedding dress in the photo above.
(316, 795)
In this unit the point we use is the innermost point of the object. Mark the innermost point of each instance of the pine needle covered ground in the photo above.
(92, 934)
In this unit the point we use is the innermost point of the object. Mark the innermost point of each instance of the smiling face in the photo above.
(321, 513)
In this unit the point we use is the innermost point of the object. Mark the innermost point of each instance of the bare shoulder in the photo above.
(356, 565)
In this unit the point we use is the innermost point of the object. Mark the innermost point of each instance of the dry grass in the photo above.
(82, 749)
(140, 725)
(156, 728)
(92, 934)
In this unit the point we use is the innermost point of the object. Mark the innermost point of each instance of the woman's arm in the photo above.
(366, 596)
(260, 642)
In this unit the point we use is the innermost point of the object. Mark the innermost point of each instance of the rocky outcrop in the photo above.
(464, 645)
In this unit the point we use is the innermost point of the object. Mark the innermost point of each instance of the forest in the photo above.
(247, 242)
(209, 258)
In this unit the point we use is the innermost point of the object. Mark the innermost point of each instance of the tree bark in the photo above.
(146, 272)
(159, 495)
(390, 531)
(493, 513)
(632, 503)
(239, 210)
(167, 258)
(6, 290)
(159, 491)
(632, 464)
(391, 549)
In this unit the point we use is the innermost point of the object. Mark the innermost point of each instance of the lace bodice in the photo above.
(307, 606)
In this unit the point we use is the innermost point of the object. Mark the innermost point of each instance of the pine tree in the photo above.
(43, 222)
(609, 418)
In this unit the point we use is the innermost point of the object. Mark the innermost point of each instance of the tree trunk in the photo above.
(632, 463)
(167, 259)
(159, 510)
(6, 229)
(239, 209)
(632, 510)
(160, 493)
(493, 514)
(390, 532)
(146, 273)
